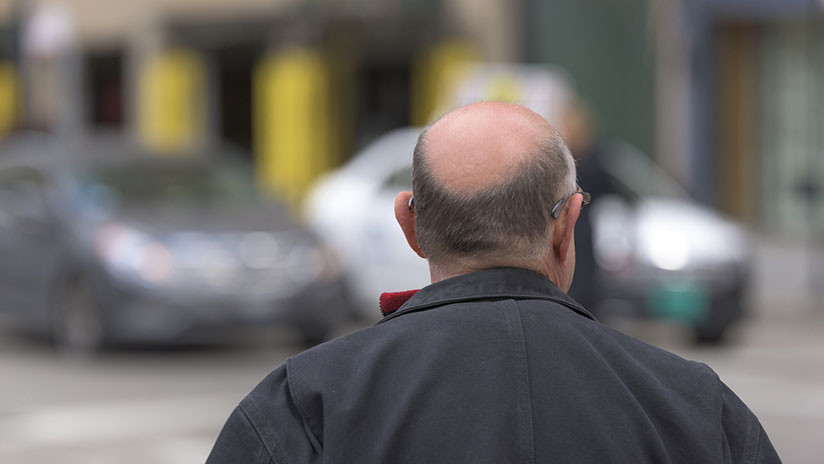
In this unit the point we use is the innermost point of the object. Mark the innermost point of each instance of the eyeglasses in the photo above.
(556, 210)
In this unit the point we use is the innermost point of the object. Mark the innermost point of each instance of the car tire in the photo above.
(709, 334)
(76, 323)
(725, 312)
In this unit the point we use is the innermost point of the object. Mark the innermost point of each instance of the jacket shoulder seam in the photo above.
(294, 393)
(756, 446)
(266, 445)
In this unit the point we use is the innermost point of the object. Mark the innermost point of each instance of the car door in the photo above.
(29, 245)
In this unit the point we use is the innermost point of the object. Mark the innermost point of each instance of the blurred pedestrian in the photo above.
(492, 362)
(579, 130)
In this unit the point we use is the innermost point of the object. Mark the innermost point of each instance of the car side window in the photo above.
(22, 194)
(399, 180)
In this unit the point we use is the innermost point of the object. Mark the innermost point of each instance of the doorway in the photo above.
(383, 98)
(104, 80)
(234, 68)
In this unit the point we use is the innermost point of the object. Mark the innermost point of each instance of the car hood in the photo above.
(209, 220)
(666, 225)
(667, 233)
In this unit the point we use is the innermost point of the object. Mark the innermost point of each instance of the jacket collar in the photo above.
(488, 284)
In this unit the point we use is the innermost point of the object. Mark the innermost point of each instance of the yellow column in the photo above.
(437, 72)
(171, 102)
(9, 97)
(291, 122)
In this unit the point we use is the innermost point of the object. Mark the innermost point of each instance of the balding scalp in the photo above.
(480, 145)
(487, 197)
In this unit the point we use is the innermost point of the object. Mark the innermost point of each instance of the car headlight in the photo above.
(674, 245)
(668, 250)
(130, 253)
(665, 244)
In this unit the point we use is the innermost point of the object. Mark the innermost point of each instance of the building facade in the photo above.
(300, 85)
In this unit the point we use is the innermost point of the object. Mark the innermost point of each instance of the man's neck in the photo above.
(439, 273)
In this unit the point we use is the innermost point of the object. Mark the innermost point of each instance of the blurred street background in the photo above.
(192, 191)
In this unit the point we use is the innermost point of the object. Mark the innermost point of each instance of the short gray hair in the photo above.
(503, 223)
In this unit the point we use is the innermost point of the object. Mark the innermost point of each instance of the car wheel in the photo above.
(725, 312)
(709, 334)
(77, 327)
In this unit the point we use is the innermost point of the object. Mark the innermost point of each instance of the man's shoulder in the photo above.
(561, 334)
(367, 370)
(352, 347)
(557, 328)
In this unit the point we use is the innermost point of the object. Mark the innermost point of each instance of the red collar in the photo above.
(391, 301)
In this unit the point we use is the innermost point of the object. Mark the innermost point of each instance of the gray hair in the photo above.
(502, 224)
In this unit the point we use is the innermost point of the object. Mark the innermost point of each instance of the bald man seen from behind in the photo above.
(492, 362)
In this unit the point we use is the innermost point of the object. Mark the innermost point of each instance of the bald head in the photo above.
(483, 144)
(485, 177)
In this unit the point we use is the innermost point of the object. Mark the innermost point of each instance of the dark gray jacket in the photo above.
(497, 366)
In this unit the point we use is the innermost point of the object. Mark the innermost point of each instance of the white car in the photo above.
(352, 210)
(659, 253)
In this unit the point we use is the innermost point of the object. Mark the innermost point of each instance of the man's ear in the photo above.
(406, 219)
(563, 231)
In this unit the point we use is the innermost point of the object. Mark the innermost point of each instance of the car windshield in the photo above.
(640, 175)
(166, 185)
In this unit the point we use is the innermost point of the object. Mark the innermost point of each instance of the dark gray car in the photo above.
(100, 242)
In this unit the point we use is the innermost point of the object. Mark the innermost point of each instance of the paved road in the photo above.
(167, 406)
(140, 407)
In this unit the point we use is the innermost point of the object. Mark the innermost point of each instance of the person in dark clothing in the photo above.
(579, 131)
(492, 362)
